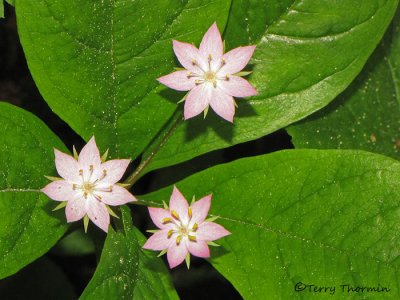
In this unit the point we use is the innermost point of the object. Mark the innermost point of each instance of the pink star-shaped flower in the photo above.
(210, 75)
(88, 185)
(183, 229)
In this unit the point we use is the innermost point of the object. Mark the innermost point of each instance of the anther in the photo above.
(197, 82)
(195, 226)
(91, 168)
(214, 84)
(175, 215)
(190, 212)
(170, 232)
(74, 186)
(227, 77)
(209, 57)
(85, 194)
(178, 240)
(194, 62)
(167, 220)
(192, 238)
(80, 172)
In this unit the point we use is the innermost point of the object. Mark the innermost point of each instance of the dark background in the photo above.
(201, 282)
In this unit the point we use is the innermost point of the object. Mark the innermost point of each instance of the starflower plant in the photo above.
(184, 229)
(211, 76)
(88, 185)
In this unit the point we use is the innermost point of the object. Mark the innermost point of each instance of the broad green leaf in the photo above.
(126, 271)
(40, 280)
(323, 217)
(11, 2)
(97, 70)
(1, 9)
(307, 53)
(28, 227)
(366, 116)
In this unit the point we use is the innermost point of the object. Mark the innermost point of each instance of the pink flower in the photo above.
(212, 77)
(183, 229)
(88, 185)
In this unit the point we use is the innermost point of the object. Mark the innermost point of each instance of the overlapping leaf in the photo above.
(28, 227)
(96, 62)
(126, 271)
(327, 218)
(366, 116)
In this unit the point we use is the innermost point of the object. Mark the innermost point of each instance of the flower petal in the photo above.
(211, 43)
(210, 231)
(159, 241)
(179, 204)
(97, 212)
(200, 209)
(176, 254)
(67, 167)
(157, 215)
(115, 170)
(236, 60)
(197, 100)
(118, 196)
(189, 57)
(178, 80)
(237, 87)
(223, 104)
(89, 155)
(59, 190)
(199, 249)
(76, 209)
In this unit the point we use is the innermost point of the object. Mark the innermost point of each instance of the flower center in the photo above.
(88, 187)
(210, 77)
(182, 229)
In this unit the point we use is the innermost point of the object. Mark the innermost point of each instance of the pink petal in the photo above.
(159, 241)
(237, 87)
(187, 54)
(197, 100)
(176, 254)
(179, 204)
(157, 215)
(199, 249)
(59, 190)
(210, 231)
(76, 209)
(223, 104)
(115, 170)
(118, 196)
(97, 212)
(89, 156)
(178, 80)
(211, 43)
(236, 60)
(67, 167)
(200, 209)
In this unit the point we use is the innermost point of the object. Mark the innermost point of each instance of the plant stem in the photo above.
(155, 145)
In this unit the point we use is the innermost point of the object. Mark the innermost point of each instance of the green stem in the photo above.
(155, 145)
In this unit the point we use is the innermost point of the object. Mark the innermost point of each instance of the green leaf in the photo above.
(312, 216)
(126, 271)
(97, 70)
(40, 280)
(1, 9)
(28, 227)
(307, 53)
(366, 116)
